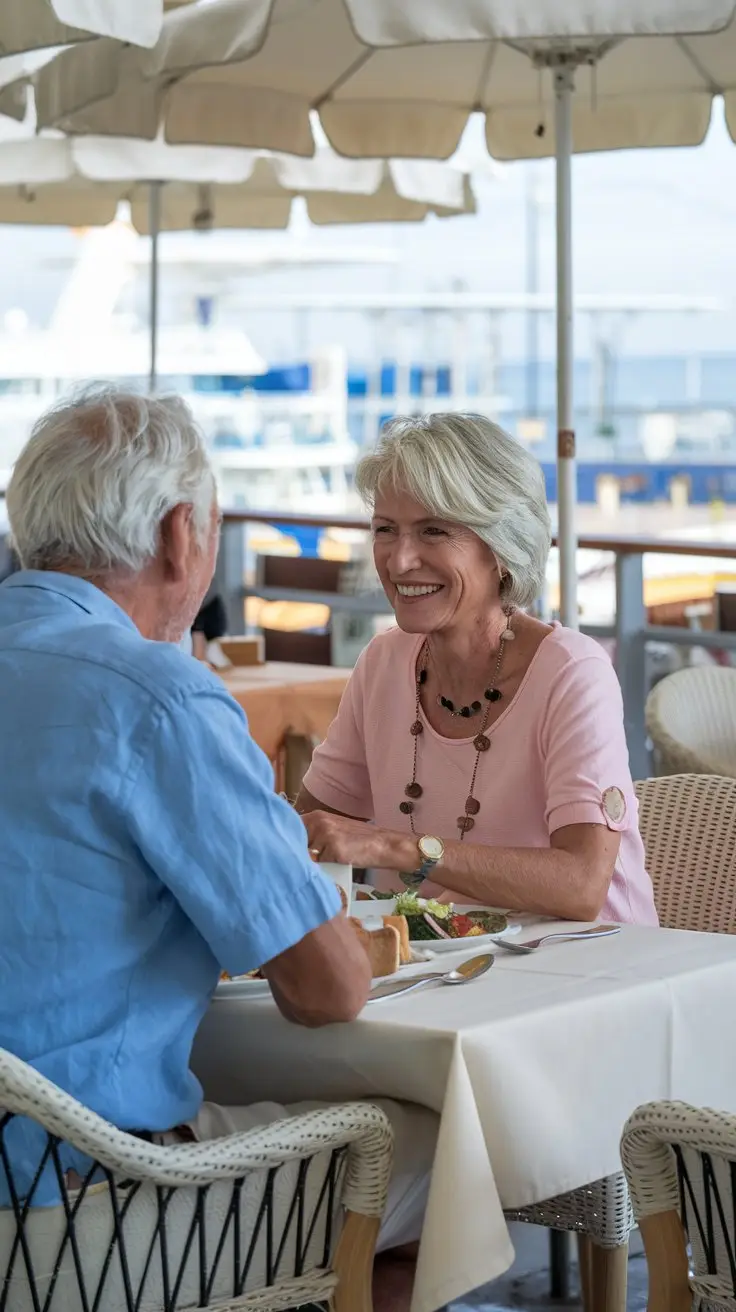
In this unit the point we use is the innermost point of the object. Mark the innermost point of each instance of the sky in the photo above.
(645, 222)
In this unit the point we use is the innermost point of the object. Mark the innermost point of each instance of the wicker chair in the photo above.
(680, 1164)
(688, 823)
(691, 720)
(267, 1220)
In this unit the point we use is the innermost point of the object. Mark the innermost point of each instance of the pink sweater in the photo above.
(558, 757)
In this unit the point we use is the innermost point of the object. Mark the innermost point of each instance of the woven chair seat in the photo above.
(680, 1163)
(691, 720)
(251, 1222)
(688, 823)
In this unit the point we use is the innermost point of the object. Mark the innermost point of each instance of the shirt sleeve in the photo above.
(338, 775)
(586, 759)
(205, 817)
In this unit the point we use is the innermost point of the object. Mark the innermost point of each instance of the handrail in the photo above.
(288, 517)
(632, 545)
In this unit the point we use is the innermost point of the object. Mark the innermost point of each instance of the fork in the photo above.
(522, 949)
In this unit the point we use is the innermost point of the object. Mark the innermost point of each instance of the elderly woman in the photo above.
(486, 748)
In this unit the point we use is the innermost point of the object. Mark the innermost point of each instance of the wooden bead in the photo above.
(492, 695)
(416, 729)
(465, 711)
(472, 805)
(406, 808)
(413, 789)
(464, 823)
(481, 743)
(475, 707)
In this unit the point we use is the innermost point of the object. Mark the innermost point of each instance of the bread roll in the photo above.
(382, 947)
(401, 925)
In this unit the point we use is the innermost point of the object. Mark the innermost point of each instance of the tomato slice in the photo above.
(460, 926)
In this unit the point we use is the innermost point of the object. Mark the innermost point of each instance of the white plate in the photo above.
(243, 988)
(465, 944)
(370, 909)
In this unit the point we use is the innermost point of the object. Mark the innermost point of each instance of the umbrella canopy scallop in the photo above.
(79, 182)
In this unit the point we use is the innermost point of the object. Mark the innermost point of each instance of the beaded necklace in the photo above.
(481, 742)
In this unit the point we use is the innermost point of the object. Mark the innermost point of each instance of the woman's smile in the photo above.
(417, 591)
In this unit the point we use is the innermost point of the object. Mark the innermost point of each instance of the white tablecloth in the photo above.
(534, 1069)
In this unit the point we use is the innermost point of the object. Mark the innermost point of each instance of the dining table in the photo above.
(533, 1069)
(289, 707)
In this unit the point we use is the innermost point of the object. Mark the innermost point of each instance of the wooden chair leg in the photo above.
(667, 1265)
(608, 1276)
(354, 1264)
(298, 749)
(584, 1271)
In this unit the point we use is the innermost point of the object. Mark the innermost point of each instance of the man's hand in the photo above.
(323, 979)
(354, 843)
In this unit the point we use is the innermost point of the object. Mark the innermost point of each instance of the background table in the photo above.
(534, 1069)
(282, 701)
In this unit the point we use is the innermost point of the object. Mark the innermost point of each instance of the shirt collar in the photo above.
(78, 591)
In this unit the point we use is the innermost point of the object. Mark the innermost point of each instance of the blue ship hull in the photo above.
(645, 483)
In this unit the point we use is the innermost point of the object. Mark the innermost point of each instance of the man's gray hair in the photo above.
(467, 470)
(97, 476)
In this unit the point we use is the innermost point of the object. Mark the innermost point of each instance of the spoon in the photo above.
(462, 974)
(522, 949)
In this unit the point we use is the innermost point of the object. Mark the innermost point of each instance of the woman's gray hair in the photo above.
(98, 474)
(467, 470)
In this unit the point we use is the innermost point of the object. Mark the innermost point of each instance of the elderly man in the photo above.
(143, 847)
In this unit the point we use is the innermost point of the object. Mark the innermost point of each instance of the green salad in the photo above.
(409, 904)
(429, 920)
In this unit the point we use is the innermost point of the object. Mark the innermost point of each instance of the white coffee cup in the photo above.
(340, 875)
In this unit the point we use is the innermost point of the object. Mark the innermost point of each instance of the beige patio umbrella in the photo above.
(80, 182)
(400, 78)
(42, 24)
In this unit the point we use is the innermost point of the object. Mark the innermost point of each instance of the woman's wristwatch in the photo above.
(431, 852)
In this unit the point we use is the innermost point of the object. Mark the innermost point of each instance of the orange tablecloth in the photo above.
(279, 698)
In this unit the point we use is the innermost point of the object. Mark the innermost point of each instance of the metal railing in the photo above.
(630, 630)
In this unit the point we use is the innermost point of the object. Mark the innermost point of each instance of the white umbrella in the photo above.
(43, 24)
(79, 182)
(400, 77)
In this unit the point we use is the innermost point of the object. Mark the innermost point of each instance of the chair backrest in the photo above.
(680, 1165)
(691, 720)
(162, 1229)
(297, 648)
(307, 573)
(688, 824)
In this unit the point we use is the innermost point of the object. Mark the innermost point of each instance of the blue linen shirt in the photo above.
(142, 850)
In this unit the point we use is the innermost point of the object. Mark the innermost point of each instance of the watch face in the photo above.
(432, 848)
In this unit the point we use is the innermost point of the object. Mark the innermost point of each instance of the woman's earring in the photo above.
(508, 634)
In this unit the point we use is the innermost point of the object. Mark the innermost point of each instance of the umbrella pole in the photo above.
(566, 476)
(154, 228)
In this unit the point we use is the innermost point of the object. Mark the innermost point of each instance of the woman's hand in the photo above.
(351, 842)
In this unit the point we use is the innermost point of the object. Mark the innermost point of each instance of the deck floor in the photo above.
(526, 1285)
